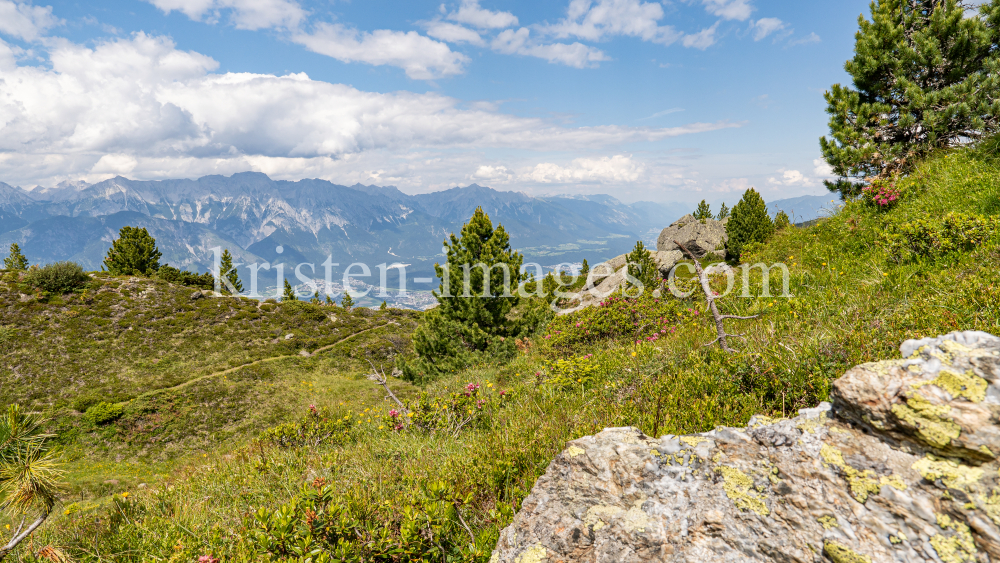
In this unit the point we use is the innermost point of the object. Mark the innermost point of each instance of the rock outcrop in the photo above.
(701, 238)
(902, 467)
(665, 261)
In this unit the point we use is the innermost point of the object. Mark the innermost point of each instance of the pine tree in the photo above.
(470, 318)
(346, 301)
(330, 302)
(924, 76)
(585, 268)
(16, 261)
(703, 212)
(748, 223)
(289, 294)
(723, 212)
(383, 306)
(781, 221)
(643, 268)
(134, 253)
(229, 272)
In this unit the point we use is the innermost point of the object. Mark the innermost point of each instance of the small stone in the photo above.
(289, 336)
(197, 295)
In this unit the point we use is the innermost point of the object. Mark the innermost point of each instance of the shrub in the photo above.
(469, 409)
(104, 413)
(84, 402)
(317, 427)
(882, 192)
(927, 237)
(749, 222)
(643, 318)
(58, 278)
(781, 221)
(173, 275)
(643, 268)
(723, 212)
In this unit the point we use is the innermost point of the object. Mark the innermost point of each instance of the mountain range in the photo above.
(253, 215)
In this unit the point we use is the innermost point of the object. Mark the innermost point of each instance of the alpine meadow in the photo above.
(282, 356)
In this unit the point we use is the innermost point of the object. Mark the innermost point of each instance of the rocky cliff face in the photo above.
(902, 467)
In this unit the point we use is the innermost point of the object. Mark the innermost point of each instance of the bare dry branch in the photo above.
(381, 379)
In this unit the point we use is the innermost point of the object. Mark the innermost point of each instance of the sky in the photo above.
(679, 100)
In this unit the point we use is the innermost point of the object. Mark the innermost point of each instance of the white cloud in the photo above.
(492, 174)
(701, 40)
(765, 26)
(792, 178)
(421, 57)
(24, 21)
(598, 20)
(140, 104)
(732, 185)
(729, 9)
(821, 168)
(615, 169)
(453, 33)
(811, 38)
(470, 13)
(519, 42)
(244, 14)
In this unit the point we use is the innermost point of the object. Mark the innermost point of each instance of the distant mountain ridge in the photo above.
(253, 215)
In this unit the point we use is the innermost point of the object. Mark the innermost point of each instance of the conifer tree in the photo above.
(925, 76)
(229, 272)
(16, 261)
(330, 302)
(585, 268)
(383, 306)
(346, 301)
(289, 294)
(748, 223)
(134, 253)
(470, 317)
(643, 268)
(781, 221)
(703, 212)
(723, 212)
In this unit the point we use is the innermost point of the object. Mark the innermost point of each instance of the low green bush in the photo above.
(104, 413)
(643, 318)
(173, 275)
(317, 427)
(932, 237)
(58, 278)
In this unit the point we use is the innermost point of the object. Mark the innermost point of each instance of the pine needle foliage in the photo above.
(642, 267)
(288, 294)
(749, 223)
(781, 221)
(723, 212)
(926, 75)
(227, 271)
(15, 260)
(134, 253)
(703, 212)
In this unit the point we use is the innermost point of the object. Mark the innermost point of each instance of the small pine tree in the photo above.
(643, 268)
(924, 76)
(781, 221)
(703, 212)
(229, 272)
(134, 253)
(289, 294)
(315, 297)
(383, 306)
(330, 301)
(16, 261)
(346, 301)
(723, 212)
(749, 222)
(585, 268)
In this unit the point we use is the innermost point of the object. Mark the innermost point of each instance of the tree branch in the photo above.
(20, 537)
(720, 329)
(380, 379)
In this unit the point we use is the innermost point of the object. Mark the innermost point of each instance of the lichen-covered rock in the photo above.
(700, 237)
(827, 485)
(665, 261)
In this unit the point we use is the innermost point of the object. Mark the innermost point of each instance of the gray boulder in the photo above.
(902, 467)
(708, 237)
(665, 261)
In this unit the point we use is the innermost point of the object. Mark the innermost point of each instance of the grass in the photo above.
(199, 482)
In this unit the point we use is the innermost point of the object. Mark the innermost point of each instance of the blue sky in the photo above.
(662, 101)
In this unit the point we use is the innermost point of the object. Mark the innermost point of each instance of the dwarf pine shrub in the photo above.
(58, 278)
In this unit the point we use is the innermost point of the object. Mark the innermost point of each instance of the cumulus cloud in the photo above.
(615, 169)
(765, 26)
(472, 14)
(421, 57)
(811, 38)
(244, 14)
(821, 168)
(792, 178)
(142, 105)
(453, 33)
(602, 19)
(729, 9)
(492, 174)
(519, 42)
(701, 40)
(24, 21)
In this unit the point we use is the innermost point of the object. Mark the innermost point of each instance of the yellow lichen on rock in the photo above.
(839, 553)
(828, 522)
(955, 548)
(737, 486)
(535, 554)
(862, 483)
(968, 385)
(953, 474)
(692, 440)
(574, 451)
(930, 421)
(810, 425)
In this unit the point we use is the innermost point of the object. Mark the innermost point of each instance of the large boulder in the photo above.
(665, 261)
(902, 467)
(700, 237)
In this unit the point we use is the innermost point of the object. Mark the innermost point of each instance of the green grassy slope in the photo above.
(852, 301)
